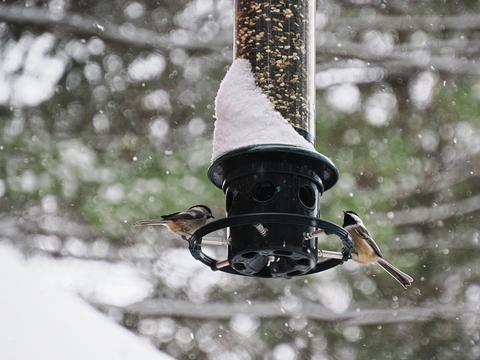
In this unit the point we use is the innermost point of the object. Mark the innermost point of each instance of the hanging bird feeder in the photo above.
(272, 181)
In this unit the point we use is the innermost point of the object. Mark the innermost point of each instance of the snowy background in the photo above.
(106, 117)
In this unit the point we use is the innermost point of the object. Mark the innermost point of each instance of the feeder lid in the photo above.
(319, 163)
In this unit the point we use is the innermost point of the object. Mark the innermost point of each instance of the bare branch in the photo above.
(455, 172)
(407, 23)
(334, 46)
(84, 26)
(434, 213)
(130, 35)
(124, 34)
(309, 310)
(438, 241)
(406, 63)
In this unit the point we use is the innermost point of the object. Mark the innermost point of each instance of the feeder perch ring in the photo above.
(195, 241)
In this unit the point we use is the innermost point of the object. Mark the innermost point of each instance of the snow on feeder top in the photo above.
(263, 154)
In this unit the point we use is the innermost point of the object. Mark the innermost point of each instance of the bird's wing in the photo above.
(185, 215)
(361, 231)
(153, 222)
(170, 216)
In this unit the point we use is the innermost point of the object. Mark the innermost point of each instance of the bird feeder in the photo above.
(273, 190)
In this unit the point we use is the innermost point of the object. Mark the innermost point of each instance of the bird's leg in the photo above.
(222, 263)
(187, 237)
(214, 242)
(330, 254)
(313, 234)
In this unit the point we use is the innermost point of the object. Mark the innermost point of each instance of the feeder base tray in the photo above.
(275, 262)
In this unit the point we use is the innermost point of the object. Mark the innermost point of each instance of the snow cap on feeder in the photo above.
(263, 154)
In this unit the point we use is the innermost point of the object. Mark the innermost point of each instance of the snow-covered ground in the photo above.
(43, 319)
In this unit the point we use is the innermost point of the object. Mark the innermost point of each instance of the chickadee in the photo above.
(366, 250)
(183, 223)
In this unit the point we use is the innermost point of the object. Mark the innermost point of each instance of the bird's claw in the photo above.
(311, 235)
(347, 253)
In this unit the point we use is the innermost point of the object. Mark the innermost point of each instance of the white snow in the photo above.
(157, 100)
(244, 325)
(40, 322)
(344, 98)
(3, 188)
(246, 117)
(284, 351)
(117, 284)
(147, 68)
(177, 270)
(422, 88)
(159, 128)
(379, 43)
(355, 72)
(134, 10)
(40, 71)
(380, 108)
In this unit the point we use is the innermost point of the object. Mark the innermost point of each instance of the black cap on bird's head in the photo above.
(351, 218)
(205, 209)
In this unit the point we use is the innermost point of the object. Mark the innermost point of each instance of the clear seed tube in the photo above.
(277, 37)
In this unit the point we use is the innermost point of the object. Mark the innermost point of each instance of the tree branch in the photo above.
(466, 240)
(348, 49)
(462, 22)
(130, 35)
(422, 214)
(309, 310)
(407, 63)
(84, 26)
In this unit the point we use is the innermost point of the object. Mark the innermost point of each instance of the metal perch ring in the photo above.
(195, 241)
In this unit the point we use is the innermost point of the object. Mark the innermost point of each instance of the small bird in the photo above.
(183, 223)
(366, 250)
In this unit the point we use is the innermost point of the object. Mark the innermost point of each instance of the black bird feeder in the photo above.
(273, 191)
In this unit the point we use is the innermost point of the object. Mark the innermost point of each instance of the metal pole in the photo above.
(277, 37)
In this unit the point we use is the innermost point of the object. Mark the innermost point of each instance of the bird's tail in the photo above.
(404, 279)
(153, 222)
